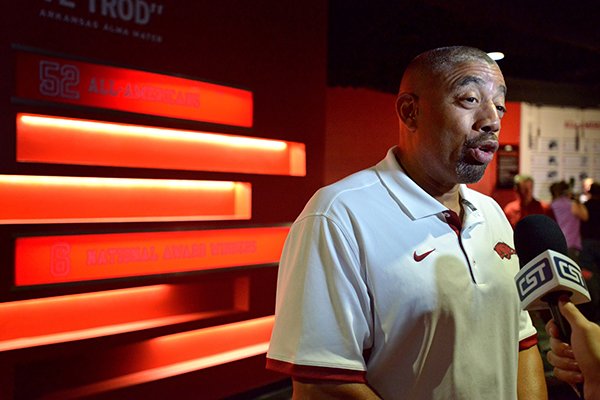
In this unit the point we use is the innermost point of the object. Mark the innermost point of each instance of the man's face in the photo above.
(526, 190)
(459, 121)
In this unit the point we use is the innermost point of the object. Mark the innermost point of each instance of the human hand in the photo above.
(580, 361)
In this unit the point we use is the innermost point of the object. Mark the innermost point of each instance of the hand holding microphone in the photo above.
(547, 274)
(581, 360)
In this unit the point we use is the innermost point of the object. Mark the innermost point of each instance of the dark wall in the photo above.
(277, 50)
(552, 94)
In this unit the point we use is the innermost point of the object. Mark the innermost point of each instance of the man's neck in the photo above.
(448, 197)
(451, 200)
(526, 201)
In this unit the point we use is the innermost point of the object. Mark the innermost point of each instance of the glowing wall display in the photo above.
(76, 141)
(57, 259)
(50, 199)
(178, 354)
(41, 77)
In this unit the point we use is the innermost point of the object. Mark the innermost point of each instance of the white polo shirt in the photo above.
(375, 286)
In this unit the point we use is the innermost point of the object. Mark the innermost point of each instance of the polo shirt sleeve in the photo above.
(527, 332)
(323, 318)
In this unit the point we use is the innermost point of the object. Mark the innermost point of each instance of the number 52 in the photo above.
(58, 80)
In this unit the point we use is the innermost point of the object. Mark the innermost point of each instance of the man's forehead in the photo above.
(475, 74)
(467, 80)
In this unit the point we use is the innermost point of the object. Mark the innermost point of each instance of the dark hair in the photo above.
(558, 189)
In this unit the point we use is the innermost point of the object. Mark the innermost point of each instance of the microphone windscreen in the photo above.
(535, 234)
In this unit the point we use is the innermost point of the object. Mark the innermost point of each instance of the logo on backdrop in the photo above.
(130, 18)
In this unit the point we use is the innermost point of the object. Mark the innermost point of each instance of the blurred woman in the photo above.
(569, 213)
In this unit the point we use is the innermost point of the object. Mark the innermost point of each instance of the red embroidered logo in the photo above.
(504, 250)
(421, 257)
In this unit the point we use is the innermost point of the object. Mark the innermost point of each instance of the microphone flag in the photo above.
(548, 273)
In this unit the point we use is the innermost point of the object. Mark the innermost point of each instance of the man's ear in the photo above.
(407, 107)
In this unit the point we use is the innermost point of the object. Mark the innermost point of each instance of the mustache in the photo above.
(481, 139)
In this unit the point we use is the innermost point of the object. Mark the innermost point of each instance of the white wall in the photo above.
(559, 143)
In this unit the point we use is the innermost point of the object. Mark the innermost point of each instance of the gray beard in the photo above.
(469, 173)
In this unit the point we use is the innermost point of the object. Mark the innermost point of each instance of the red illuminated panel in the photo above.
(74, 141)
(83, 316)
(81, 83)
(57, 259)
(182, 353)
(50, 199)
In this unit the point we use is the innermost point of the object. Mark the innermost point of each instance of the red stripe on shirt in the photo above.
(317, 373)
(528, 342)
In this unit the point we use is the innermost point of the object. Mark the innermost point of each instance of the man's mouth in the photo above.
(482, 152)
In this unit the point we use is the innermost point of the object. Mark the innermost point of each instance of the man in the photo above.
(525, 204)
(397, 282)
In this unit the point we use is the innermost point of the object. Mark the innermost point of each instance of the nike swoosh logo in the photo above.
(421, 257)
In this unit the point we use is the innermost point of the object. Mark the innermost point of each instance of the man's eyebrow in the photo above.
(467, 80)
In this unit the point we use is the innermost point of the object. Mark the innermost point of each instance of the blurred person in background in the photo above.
(525, 204)
(568, 213)
(589, 258)
(585, 190)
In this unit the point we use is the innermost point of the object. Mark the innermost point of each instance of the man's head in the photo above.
(587, 184)
(450, 104)
(524, 187)
(559, 189)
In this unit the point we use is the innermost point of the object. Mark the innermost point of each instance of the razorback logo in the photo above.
(504, 250)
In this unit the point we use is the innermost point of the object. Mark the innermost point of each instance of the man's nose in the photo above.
(488, 119)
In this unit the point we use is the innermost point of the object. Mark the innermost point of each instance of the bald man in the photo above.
(397, 282)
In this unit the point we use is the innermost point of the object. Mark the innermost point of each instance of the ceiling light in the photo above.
(496, 55)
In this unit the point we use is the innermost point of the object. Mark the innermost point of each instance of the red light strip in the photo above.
(67, 81)
(49, 139)
(186, 352)
(75, 258)
(37, 322)
(29, 199)
(64, 318)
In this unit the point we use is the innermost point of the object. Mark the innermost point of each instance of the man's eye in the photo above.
(471, 99)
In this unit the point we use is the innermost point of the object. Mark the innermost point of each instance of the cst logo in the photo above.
(569, 271)
(537, 275)
(60, 259)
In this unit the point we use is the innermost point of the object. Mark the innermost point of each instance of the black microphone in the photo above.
(546, 272)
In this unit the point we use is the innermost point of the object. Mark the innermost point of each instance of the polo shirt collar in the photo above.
(409, 196)
(415, 201)
(473, 215)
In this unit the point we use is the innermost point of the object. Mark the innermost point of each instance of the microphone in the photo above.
(546, 272)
